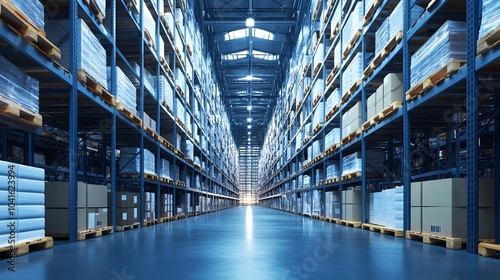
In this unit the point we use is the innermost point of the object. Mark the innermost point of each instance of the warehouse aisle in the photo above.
(250, 243)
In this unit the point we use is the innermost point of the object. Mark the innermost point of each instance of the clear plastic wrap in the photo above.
(319, 115)
(148, 22)
(332, 138)
(316, 205)
(130, 161)
(17, 86)
(189, 149)
(91, 54)
(332, 170)
(165, 169)
(166, 92)
(354, 24)
(33, 9)
(449, 42)
(318, 88)
(352, 73)
(396, 18)
(382, 36)
(125, 90)
(179, 110)
(317, 148)
(490, 19)
(101, 5)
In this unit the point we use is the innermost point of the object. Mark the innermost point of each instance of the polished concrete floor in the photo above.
(249, 243)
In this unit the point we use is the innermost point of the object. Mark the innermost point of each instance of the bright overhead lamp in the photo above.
(249, 107)
(249, 119)
(249, 133)
(249, 127)
(250, 78)
(250, 22)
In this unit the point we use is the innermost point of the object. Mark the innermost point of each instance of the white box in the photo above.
(416, 194)
(379, 99)
(452, 192)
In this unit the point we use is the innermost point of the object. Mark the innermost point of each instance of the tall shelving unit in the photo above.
(84, 126)
(432, 135)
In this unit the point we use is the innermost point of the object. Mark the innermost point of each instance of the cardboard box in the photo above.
(351, 196)
(393, 82)
(351, 212)
(97, 196)
(379, 99)
(416, 194)
(452, 192)
(416, 219)
(57, 195)
(452, 222)
(57, 221)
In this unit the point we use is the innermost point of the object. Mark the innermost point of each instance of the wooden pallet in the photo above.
(317, 128)
(317, 68)
(371, 11)
(351, 176)
(26, 29)
(437, 76)
(353, 135)
(166, 219)
(127, 113)
(304, 71)
(332, 220)
(383, 229)
(351, 44)
(489, 41)
(331, 181)
(153, 177)
(165, 143)
(181, 216)
(150, 223)
(91, 233)
(24, 248)
(93, 7)
(181, 184)
(166, 180)
(299, 104)
(317, 99)
(316, 10)
(389, 110)
(318, 217)
(329, 11)
(95, 87)
(335, 30)
(350, 223)
(487, 249)
(332, 149)
(306, 91)
(351, 90)
(20, 114)
(332, 112)
(333, 73)
(388, 48)
(451, 243)
(151, 132)
(170, 34)
(189, 50)
(370, 123)
(128, 227)
(167, 67)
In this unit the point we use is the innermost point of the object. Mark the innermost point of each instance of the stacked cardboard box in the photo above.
(332, 205)
(21, 202)
(352, 119)
(149, 206)
(167, 205)
(440, 207)
(393, 89)
(92, 207)
(351, 205)
(127, 205)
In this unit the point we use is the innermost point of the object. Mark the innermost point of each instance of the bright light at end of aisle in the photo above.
(249, 120)
(250, 22)
(249, 223)
(249, 107)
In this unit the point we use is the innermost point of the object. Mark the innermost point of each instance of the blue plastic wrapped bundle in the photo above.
(396, 18)
(91, 55)
(17, 86)
(332, 171)
(179, 110)
(187, 123)
(165, 169)
(352, 163)
(189, 149)
(318, 88)
(130, 161)
(332, 138)
(318, 115)
(125, 91)
(352, 73)
(166, 92)
(307, 181)
(33, 10)
(354, 25)
(382, 36)
(448, 43)
(332, 100)
(148, 23)
(490, 19)
(101, 5)
(317, 148)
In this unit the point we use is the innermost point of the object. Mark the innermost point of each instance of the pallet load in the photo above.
(17, 87)
(446, 44)
(22, 207)
(386, 208)
(439, 207)
(92, 209)
(91, 55)
(306, 203)
(33, 10)
(352, 76)
(130, 161)
(125, 91)
(490, 21)
(166, 205)
(316, 203)
(332, 205)
(332, 171)
(352, 164)
(332, 138)
(149, 208)
(166, 93)
(352, 29)
(352, 120)
(126, 213)
(351, 205)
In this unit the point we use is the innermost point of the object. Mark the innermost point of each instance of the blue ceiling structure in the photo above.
(262, 52)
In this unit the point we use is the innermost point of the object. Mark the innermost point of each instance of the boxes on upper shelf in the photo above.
(18, 87)
(125, 90)
(393, 89)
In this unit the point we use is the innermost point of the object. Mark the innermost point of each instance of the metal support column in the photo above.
(406, 120)
(472, 128)
(141, 115)
(449, 146)
(73, 123)
(29, 148)
(112, 124)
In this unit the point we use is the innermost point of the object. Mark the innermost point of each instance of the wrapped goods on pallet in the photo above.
(166, 205)
(169, 20)
(166, 92)
(23, 205)
(352, 119)
(318, 175)
(318, 115)
(332, 138)
(179, 110)
(386, 208)
(125, 91)
(159, 6)
(130, 161)
(332, 100)
(353, 73)
(91, 55)
(371, 109)
(316, 203)
(18, 87)
(189, 149)
(148, 24)
(319, 56)
(332, 205)
(351, 205)
(306, 203)
(446, 44)
(396, 18)
(317, 148)
(353, 162)
(332, 170)
(368, 4)
(318, 88)
(335, 24)
(490, 21)
(149, 206)
(187, 123)
(32, 9)
(382, 36)
(180, 80)
(352, 27)
(165, 169)
(306, 181)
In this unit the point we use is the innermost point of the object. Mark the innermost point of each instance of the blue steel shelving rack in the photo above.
(405, 118)
(76, 96)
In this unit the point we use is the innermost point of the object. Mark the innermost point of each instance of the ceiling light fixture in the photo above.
(250, 78)
(250, 22)
(249, 107)
(249, 119)
(249, 133)
(249, 127)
